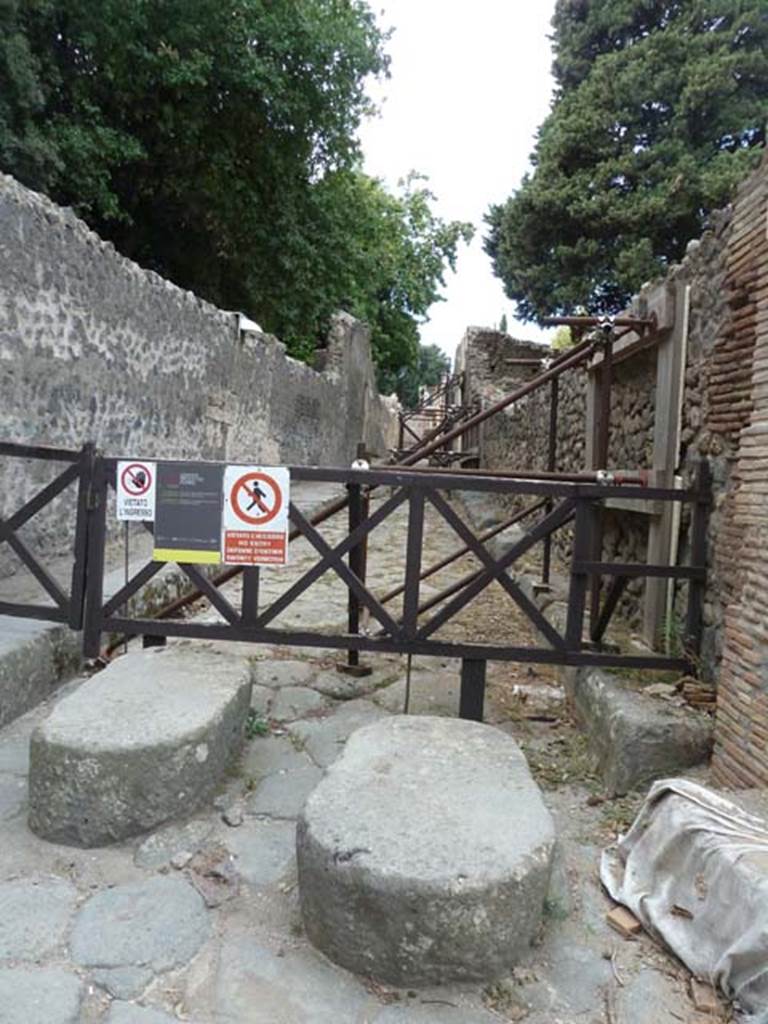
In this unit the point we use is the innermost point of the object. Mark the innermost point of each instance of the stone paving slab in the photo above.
(155, 925)
(34, 917)
(159, 849)
(13, 796)
(255, 984)
(284, 793)
(432, 692)
(292, 702)
(43, 995)
(254, 964)
(130, 1013)
(264, 850)
(411, 1011)
(324, 738)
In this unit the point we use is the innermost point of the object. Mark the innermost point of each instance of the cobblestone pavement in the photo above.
(199, 921)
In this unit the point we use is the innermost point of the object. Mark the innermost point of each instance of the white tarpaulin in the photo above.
(694, 869)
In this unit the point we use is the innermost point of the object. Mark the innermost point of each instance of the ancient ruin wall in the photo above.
(735, 416)
(518, 437)
(93, 347)
(721, 318)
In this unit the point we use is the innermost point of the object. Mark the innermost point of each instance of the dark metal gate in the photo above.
(66, 601)
(548, 505)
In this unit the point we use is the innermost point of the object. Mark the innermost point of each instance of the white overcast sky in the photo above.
(470, 84)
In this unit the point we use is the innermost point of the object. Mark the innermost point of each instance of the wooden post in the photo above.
(670, 371)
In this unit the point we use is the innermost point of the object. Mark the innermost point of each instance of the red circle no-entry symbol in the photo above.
(136, 479)
(256, 498)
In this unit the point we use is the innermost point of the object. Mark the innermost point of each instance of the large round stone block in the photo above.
(146, 740)
(424, 854)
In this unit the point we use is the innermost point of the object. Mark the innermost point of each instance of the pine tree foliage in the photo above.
(660, 110)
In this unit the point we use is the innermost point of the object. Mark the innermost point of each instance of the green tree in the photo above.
(215, 142)
(386, 260)
(659, 111)
(431, 366)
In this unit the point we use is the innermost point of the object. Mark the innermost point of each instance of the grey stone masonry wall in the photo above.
(93, 347)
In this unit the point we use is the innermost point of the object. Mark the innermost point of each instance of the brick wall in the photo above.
(738, 380)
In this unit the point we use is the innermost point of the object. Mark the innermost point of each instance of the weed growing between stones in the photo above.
(563, 759)
(255, 726)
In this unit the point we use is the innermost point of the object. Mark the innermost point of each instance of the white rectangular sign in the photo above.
(135, 487)
(255, 519)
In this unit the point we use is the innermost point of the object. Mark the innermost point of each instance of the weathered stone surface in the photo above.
(503, 542)
(413, 1013)
(323, 738)
(34, 657)
(158, 924)
(574, 982)
(34, 917)
(162, 846)
(292, 702)
(162, 372)
(13, 795)
(432, 693)
(340, 686)
(263, 850)
(424, 855)
(256, 985)
(46, 995)
(652, 996)
(636, 738)
(283, 793)
(122, 982)
(148, 738)
(283, 672)
(261, 698)
(14, 754)
(130, 1013)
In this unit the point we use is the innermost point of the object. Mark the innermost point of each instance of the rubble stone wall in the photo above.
(95, 348)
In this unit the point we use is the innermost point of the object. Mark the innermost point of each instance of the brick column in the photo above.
(741, 736)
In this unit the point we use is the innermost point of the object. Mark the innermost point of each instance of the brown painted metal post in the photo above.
(94, 584)
(249, 609)
(357, 563)
(79, 569)
(413, 554)
(472, 697)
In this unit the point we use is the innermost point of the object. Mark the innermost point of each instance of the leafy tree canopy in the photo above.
(660, 109)
(215, 142)
(431, 366)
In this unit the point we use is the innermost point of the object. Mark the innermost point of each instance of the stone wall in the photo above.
(718, 331)
(93, 347)
(517, 438)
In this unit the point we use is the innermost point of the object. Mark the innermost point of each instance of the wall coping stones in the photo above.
(424, 855)
(636, 738)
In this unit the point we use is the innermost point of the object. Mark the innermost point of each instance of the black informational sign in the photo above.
(188, 508)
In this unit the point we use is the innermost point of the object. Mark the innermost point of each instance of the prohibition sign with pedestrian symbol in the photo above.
(256, 498)
(136, 479)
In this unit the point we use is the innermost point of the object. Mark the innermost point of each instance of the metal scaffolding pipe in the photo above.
(487, 535)
(633, 322)
(579, 355)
